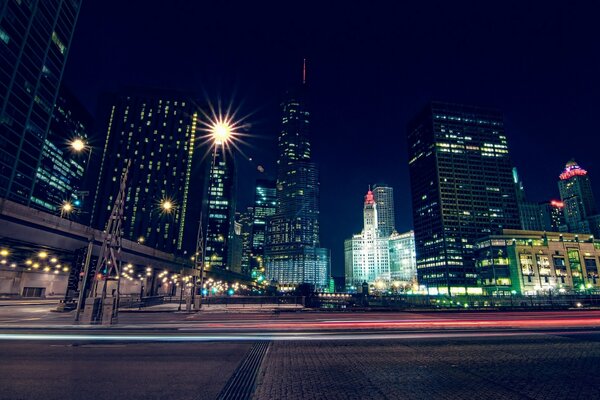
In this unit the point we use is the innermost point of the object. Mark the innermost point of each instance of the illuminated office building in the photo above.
(35, 37)
(220, 214)
(60, 173)
(403, 259)
(384, 197)
(155, 131)
(367, 253)
(580, 208)
(292, 251)
(532, 263)
(462, 189)
(552, 215)
(265, 205)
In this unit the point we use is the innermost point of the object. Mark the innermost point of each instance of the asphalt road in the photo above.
(48, 370)
(557, 365)
(306, 355)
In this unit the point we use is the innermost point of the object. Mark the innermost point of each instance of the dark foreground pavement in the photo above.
(47, 371)
(532, 367)
(539, 365)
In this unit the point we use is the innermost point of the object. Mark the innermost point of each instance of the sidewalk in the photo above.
(28, 302)
(220, 308)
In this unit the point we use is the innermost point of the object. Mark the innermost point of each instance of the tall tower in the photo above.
(155, 130)
(220, 208)
(35, 37)
(384, 197)
(292, 252)
(367, 253)
(462, 189)
(265, 205)
(576, 193)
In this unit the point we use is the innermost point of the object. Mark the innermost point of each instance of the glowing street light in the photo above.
(66, 208)
(78, 145)
(167, 206)
(221, 132)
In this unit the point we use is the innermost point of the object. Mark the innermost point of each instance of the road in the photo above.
(303, 355)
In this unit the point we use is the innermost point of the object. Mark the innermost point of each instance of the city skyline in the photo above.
(539, 110)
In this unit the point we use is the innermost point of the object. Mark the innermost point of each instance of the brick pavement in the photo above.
(533, 367)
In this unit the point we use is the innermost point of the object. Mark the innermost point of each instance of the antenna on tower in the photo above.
(304, 72)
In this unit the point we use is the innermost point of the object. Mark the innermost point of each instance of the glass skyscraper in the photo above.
(220, 203)
(60, 174)
(292, 252)
(265, 205)
(35, 37)
(462, 189)
(384, 197)
(578, 198)
(155, 131)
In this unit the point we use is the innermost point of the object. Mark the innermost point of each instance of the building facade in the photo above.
(155, 131)
(220, 209)
(552, 215)
(60, 173)
(462, 189)
(35, 37)
(578, 198)
(386, 217)
(367, 253)
(246, 220)
(529, 263)
(292, 248)
(265, 205)
(403, 259)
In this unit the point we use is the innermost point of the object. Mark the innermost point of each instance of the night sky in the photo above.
(370, 68)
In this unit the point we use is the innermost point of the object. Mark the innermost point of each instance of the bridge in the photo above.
(42, 255)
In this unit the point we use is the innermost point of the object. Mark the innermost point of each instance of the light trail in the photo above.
(305, 336)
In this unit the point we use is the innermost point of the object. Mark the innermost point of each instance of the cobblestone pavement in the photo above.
(529, 367)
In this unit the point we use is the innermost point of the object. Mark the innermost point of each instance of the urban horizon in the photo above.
(230, 200)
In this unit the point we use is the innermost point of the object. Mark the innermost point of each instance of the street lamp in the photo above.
(66, 208)
(221, 131)
(167, 206)
(78, 145)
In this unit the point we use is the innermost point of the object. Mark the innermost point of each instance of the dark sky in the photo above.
(371, 66)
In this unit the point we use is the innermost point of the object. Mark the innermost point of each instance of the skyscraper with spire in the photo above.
(292, 250)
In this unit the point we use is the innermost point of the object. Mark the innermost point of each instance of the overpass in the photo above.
(41, 255)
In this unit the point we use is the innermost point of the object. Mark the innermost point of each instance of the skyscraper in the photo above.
(265, 205)
(60, 173)
(403, 259)
(384, 197)
(246, 220)
(462, 189)
(552, 215)
(220, 206)
(292, 252)
(155, 131)
(576, 193)
(530, 213)
(35, 37)
(367, 253)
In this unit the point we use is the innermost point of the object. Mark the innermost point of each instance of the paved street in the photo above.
(558, 366)
(46, 371)
(546, 367)
(306, 355)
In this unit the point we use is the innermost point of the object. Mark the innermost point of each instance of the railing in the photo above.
(134, 301)
(246, 301)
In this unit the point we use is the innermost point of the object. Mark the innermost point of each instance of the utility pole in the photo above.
(103, 308)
